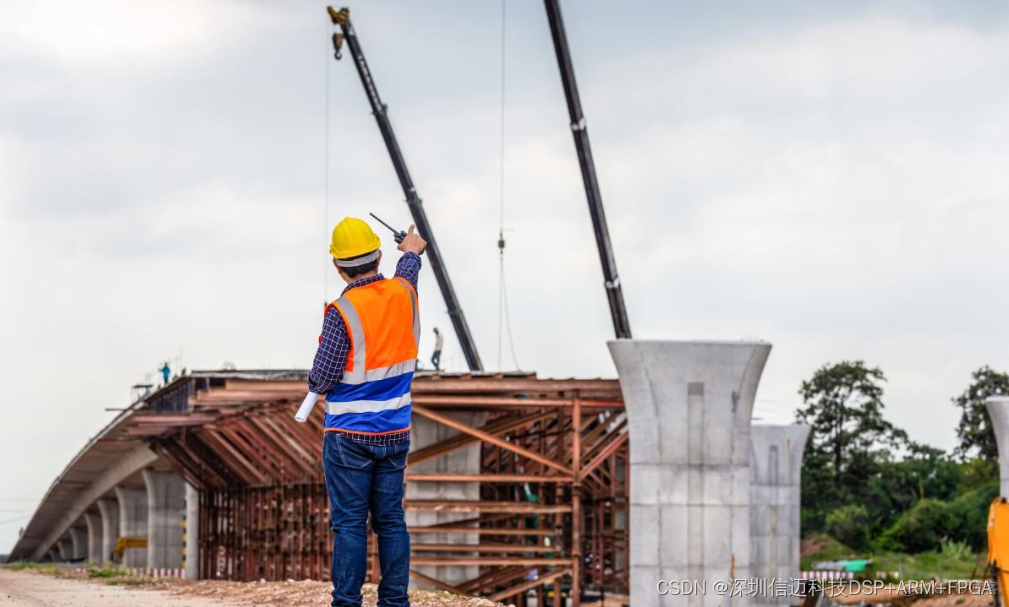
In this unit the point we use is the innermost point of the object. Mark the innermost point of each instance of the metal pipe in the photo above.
(489, 438)
(486, 561)
(441, 477)
(472, 506)
(481, 531)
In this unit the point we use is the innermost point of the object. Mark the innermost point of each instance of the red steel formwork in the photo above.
(550, 521)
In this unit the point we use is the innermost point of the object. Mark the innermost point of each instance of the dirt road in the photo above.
(54, 587)
(30, 589)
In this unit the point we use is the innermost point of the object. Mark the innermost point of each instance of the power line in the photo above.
(14, 520)
(503, 317)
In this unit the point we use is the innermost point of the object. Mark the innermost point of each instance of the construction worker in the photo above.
(439, 341)
(364, 366)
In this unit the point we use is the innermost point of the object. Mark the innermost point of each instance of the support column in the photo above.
(166, 505)
(66, 549)
(998, 411)
(192, 554)
(133, 523)
(54, 554)
(95, 537)
(688, 406)
(79, 539)
(775, 499)
(109, 510)
(465, 460)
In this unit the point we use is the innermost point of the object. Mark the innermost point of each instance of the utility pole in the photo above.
(380, 111)
(614, 293)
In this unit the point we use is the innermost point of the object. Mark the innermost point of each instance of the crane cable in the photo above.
(504, 319)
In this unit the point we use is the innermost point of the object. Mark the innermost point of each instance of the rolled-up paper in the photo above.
(306, 407)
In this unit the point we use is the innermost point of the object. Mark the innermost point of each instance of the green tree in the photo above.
(977, 439)
(849, 525)
(969, 513)
(849, 438)
(924, 472)
(921, 528)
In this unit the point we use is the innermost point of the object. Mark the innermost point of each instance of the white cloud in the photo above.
(110, 32)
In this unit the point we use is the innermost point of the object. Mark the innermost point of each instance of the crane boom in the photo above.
(380, 111)
(614, 293)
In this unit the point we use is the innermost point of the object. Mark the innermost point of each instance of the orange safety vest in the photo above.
(383, 326)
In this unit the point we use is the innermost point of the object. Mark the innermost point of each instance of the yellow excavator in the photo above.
(998, 549)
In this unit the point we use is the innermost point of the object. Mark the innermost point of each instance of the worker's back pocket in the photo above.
(352, 454)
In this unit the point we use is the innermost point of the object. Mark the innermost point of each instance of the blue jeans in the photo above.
(362, 478)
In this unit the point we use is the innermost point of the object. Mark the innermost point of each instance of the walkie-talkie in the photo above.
(397, 235)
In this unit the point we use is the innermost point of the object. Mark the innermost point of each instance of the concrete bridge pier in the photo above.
(95, 539)
(775, 499)
(65, 547)
(689, 407)
(465, 460)
(998, 411)
(79, 540)
(108, 508)
(166, 505)
(133, 523)
(192, 554)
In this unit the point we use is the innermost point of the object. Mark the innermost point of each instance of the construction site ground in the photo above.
(52, 587)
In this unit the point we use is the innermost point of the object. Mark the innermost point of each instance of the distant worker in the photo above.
(364, 366)
(439, 341)
(166, 372)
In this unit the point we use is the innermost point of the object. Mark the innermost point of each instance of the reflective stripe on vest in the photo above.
(381, 388)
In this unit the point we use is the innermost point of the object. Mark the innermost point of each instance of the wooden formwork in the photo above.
(551, 520)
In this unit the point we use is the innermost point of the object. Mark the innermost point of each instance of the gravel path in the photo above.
(30, 589)
(71, 588)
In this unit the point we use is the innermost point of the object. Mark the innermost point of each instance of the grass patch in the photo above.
(48, 568)
(952, 562)
(127, 581)
(927, 565)
(830, 550)
(105, 571)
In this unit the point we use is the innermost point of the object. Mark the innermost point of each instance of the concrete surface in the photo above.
(166, 507)
(30, 589)
(998, 411)
(109, 510)
(465, 460)
(79, 541)
(133, 523)
(689, 407)
(95, 540)
(191, 558)
(129, 464)
(775, 499)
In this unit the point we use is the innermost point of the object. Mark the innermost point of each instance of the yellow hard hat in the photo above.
(353, 237)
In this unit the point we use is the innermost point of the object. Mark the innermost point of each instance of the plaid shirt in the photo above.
(331, 357)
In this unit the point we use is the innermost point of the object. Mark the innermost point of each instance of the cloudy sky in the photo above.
(827, 176)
